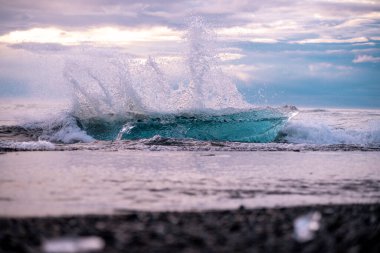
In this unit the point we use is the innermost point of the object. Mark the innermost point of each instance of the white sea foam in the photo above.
(334, 127)
(63, 129)
(110, 85)
(69, 134)
(28, 145)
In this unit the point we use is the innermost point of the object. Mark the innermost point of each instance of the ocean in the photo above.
(315, 156)
(92, 152)
(36, 125)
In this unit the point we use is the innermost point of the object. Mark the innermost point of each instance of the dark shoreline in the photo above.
(343, 228)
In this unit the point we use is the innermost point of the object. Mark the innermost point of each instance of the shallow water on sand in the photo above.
(103, 182)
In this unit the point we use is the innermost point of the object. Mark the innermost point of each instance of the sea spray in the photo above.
(209, 86)
(125, 129)
(333, 127)
(120, 96)
(63, 128)
(178, 96)
(120, 84)
(201, 59)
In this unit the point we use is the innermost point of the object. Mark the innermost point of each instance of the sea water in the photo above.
(188, 100)
(121, 107)
(31, 125)
(103, 182)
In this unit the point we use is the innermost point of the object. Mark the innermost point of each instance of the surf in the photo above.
(115, 96)
(118, 97)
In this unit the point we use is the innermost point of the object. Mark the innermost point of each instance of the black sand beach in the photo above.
(343, 228)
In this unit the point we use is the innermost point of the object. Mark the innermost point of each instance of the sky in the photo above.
(315, 53)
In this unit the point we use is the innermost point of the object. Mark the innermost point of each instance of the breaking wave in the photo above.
(186, 100)
(118, 97)
(258, 125)
(320, 133)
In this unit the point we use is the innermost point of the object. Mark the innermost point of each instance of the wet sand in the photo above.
(343, 228)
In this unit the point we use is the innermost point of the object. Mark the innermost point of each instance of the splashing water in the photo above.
(118, 96)
(126, 129)
(120, 85)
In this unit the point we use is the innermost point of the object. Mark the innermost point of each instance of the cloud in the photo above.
(258, 32)
(236, 19)
(366, 50)
(328, 70)
(230, 56)
(83, 14)
(366, 58)
(100, 35)
(263, 40)
(40, 47)
(242, 72)
(332, 40)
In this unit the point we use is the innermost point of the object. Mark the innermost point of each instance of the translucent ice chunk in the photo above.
(306, 225)
(73, 244)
